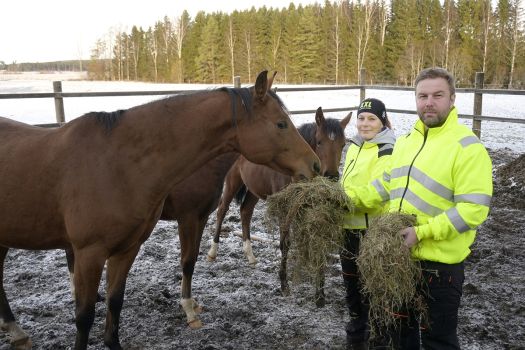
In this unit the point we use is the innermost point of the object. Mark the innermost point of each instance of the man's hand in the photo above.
(409, 235)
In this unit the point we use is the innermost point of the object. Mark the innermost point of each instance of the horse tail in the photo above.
(241, 194)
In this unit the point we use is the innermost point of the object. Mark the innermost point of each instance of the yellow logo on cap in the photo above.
(366, 104)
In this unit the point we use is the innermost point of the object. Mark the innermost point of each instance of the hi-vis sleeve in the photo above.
(472, 195)
(376, 193)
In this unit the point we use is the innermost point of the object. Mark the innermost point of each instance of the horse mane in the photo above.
(108, 120)
(331, 127)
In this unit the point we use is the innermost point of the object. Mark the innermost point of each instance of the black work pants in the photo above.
(357, 329)
(442, 288)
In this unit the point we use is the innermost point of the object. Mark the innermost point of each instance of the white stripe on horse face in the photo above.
(332, 136)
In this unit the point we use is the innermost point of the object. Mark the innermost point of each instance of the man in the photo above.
(442, 174)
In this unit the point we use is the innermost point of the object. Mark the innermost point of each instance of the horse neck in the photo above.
(174, 137)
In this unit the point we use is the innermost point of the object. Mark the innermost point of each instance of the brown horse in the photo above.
(190, 202)
(97, 185)
(251, 182)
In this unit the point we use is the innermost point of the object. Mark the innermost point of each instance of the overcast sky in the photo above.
(50, 30)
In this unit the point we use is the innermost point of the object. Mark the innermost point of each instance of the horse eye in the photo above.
(319, 143)
(282, 125)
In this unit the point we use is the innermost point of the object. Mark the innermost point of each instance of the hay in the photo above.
(314, 211)
(389, 276)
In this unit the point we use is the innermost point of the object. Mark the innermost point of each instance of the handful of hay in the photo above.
(389, 276)
(314, 212)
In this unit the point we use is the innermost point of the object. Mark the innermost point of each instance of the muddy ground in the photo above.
(243, 308)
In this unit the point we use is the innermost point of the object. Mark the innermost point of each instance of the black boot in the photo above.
(357, 346)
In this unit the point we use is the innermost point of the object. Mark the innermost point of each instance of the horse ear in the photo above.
(344, 122)
(270, 81)
(261, 85)
(319, 117)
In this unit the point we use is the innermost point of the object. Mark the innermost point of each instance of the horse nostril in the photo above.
(333, 177)
(317, 168)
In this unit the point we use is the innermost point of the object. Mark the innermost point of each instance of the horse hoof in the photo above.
(197, 309)
(285, 292)
(252, 263)
(22, 344)
(195, 324)
(210, 258)
(320, 302)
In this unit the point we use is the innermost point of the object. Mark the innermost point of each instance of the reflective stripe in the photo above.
(456, 220)
(381, 189)
(475, 198)
(386, 176)
(399, 172)
(416, 201)
(431, 184)
(469, 140)
(425, 180)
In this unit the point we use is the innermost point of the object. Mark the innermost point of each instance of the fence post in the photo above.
(59, 102)
(236, 81)
(362, 82)
(478, 103)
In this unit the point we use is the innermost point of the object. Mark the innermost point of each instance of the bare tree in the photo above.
(180, 32)
(384, 20)
(231, 46)
(487, 22)
(448, 29)
(248, 42)
(363, 32)
(337, 40)
(515, 24)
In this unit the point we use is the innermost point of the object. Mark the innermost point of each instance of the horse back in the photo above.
(261, 180)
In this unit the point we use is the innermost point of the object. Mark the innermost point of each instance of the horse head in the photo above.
(329, 142)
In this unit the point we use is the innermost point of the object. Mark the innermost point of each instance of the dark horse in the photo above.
(252, 182)
(97, 185)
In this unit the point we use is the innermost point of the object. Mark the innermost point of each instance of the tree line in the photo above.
(325, 43)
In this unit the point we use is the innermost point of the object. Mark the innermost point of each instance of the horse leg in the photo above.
(284, 245)
(320, 300)
(190, 234)
(70, 258)
(118, 267)
(232, 183)
(89, 263)
(18, 338)
(247, 207)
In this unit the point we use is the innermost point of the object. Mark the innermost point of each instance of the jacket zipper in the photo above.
(352, 163)
(410, 169)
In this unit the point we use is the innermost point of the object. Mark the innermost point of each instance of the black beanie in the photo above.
(374, 106)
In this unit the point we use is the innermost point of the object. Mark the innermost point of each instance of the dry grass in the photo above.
(390, 277)
(314, 212)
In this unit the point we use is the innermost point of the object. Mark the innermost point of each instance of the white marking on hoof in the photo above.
(72, 284)
(247, 248)
(191, 308)
(212, 253)
(17, 337)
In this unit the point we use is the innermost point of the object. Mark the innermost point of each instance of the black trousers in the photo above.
(357, 330)
(442, 288)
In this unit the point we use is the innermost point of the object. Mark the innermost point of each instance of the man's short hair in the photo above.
(437, 72)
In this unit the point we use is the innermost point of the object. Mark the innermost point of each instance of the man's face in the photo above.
(433, 101)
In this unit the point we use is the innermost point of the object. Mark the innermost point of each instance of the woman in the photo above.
(366, 158)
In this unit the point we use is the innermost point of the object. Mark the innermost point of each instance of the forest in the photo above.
(324, 43)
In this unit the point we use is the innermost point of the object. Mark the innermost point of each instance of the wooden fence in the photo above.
(476, 116)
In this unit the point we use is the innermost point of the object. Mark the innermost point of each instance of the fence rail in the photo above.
(476, 116)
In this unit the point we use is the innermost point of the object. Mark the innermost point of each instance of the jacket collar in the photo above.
(384, 136)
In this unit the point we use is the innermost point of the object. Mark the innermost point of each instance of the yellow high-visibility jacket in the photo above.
(365, 161)
(443, 176)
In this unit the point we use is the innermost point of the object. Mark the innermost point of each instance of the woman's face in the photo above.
(368, 125)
